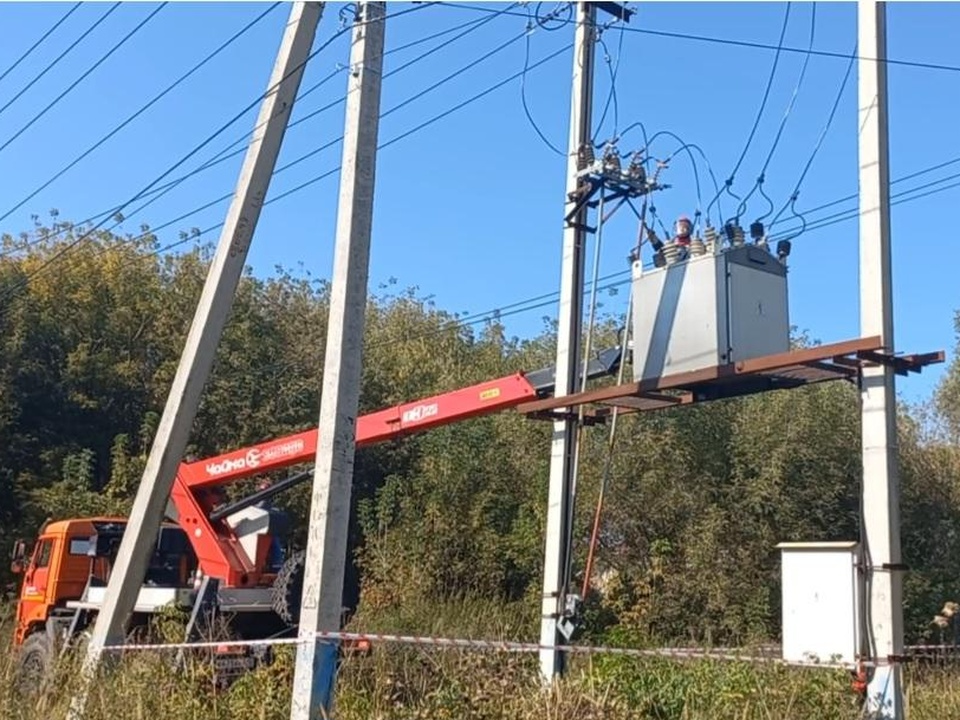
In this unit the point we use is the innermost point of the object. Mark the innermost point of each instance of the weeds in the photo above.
(410, 683)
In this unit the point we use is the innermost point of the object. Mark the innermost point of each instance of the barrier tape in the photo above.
(503, 646)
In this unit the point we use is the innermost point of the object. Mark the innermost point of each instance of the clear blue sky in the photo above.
(469, 209)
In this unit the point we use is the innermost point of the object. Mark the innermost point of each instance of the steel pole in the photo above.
(560, 497)
(200, 348)
(315, 671)
(883, 593)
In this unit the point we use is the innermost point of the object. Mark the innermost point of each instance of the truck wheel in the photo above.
(34, 663)
(288, 588)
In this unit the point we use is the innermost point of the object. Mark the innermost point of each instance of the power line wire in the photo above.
(533, 22)
(613, 68)
(41, 268)
(907, 195)
(37, 44)
(823, 133)
(60, 57)
(766, 95)
(86, 74)
(226, 154)
(456, 73)
(436, 118)
(742, 43)
(223, 46)
(758, 185)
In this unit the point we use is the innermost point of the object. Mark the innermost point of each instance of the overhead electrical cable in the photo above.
(739, 43)
(60, 57)
(436, 118)
(73, 243)
(844, 215)
(758, 185)
(85, 74)
(910, 176)
(791, 201)
(766, 95)
(226, 154)
(453, 75)
(26, 53)
(613, 69)
(688, 148)
(532, 25)
(156, 98)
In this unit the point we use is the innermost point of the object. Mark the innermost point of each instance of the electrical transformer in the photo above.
(709, 310)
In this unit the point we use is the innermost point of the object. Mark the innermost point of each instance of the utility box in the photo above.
(709, 310)
(821, 601)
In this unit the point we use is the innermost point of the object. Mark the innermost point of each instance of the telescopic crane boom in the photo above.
(197, 488)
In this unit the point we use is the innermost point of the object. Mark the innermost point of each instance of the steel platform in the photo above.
(784, 371)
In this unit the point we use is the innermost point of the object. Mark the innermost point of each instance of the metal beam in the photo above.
(315, 670)
(200, 348)
(560, 496)
(880, 524)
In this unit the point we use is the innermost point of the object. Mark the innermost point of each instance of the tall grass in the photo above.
(412, 683)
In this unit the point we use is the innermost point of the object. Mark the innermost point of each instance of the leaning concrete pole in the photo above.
(881, 485)
(200, 349)
(315, 671)
(560, 495)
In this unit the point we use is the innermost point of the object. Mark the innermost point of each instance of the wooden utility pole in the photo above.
(315, 671)
(139, 539)
(560, 496)
(883, 594)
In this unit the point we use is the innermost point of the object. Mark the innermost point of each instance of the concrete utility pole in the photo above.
(562, 466)
(314, 676)
(881, 485)
(199, 351)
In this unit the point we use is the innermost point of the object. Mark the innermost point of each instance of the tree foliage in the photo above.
(697, 501)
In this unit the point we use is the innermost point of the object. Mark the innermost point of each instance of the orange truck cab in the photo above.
(71, 559)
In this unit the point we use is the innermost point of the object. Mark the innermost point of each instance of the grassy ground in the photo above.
(407, 683)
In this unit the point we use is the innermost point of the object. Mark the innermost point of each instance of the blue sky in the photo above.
(469, 209)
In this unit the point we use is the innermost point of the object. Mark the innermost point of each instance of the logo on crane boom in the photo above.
(420, 412)
(254, 457)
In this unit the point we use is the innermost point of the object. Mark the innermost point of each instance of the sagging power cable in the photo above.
(688, 147)
(758, 185)
(613, 69)
(535, 21)
(791, 201)
(728, 184)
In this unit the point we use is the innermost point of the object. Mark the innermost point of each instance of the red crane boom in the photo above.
(197, 487)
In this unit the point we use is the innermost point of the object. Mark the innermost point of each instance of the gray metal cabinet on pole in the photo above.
(200, 348)
(315, 671)
(560, 496)
(883, 595)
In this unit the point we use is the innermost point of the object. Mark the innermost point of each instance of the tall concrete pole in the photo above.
(881, 485)
(562, 466)
(200, 348)
(314, 674)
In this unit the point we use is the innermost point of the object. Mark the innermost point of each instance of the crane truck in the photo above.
(214, 558)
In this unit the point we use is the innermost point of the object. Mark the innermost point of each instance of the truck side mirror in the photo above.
(18, 557)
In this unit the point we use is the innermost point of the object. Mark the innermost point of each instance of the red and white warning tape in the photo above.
(502, 646)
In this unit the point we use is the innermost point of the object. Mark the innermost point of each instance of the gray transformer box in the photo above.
(709, 310)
